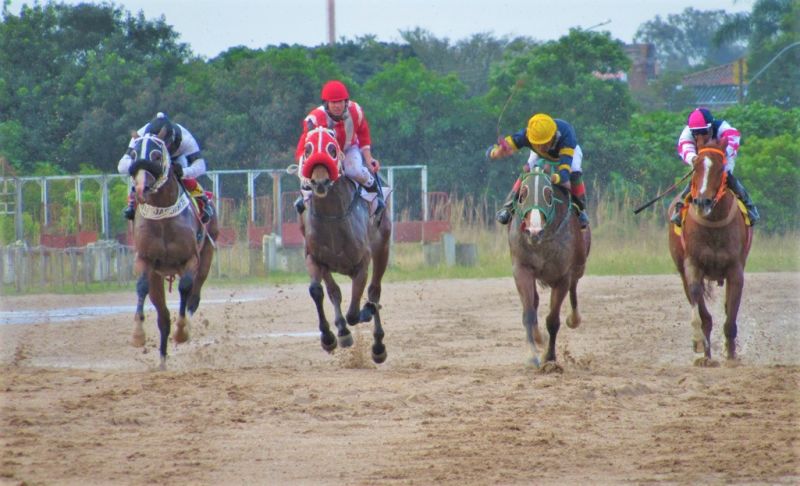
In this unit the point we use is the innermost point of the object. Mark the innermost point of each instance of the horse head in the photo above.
(537, 202)
(321, 159)
(709, 177)
(151, 165)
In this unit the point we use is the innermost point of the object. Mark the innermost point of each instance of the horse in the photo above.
(547, 247)
(712, 244)
(169, 240)
(341, 236)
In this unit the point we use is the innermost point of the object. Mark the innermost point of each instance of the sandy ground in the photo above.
(253, 399)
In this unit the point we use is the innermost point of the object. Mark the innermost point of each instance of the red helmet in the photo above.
(334, 91)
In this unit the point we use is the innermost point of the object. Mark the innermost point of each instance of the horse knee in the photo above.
(316, 292)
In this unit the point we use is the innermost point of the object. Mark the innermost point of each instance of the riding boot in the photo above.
(300, 204)
(206, 209)
(676, 214)
(130, 211)
(376, 188)
(736, 186)
(507, 211)
(580, 203)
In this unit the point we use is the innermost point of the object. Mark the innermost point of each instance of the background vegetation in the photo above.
(75, 80)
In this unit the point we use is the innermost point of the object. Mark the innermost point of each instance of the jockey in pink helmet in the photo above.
(701, 126)
(345, 117)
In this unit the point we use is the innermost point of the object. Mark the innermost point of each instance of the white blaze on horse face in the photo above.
(535, 223)
(707, 163)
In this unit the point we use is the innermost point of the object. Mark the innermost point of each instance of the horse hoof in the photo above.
(574, 320)
(346, 340)
(328, 342)
(181, 336)
(551, 367)
(535, 362)
(137, 340)
(162, 365)
(706, 363)
(353, 319)
(378, 353)
(365, 315)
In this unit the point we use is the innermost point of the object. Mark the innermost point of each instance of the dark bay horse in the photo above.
(342, 237)
(711, 245)
(548, 247)
(169, 241)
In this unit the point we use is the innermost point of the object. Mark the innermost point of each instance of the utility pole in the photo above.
(331, 22)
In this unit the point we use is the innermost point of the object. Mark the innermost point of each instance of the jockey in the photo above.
(551, 139)
(346, 118)
(701, 126)
(187, 161)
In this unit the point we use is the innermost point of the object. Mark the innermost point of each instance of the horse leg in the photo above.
(184, 289)
(528, 295)
(701, 317)
(733, 296)
(380, 260)
(335, 294)
(206, 257)
(574, 317)
(557, 295)
(137, 340)
(159, 300)
(327, 338)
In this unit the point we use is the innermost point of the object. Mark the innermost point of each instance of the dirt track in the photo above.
(455, 403)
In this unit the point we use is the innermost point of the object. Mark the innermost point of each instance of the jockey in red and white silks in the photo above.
(346, 118)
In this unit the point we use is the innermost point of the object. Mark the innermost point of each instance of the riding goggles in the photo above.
(699, 131)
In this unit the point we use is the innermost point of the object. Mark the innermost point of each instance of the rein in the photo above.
(353, 202)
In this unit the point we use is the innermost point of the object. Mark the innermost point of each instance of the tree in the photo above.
(683, 40)
(771, 27)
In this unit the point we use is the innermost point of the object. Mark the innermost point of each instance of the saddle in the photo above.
(685, 209)
(370, 197)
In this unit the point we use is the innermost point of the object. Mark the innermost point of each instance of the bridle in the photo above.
(723, 181)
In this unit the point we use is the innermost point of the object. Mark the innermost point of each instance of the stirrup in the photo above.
(299, 205)
(129, 212)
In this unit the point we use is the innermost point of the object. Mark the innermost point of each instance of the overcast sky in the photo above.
(213, 26)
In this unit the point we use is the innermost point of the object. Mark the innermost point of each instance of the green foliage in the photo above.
(685, 40)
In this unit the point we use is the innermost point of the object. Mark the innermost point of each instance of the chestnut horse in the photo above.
(341, 236)
(169, 240)
(548, 247)
(712, 244)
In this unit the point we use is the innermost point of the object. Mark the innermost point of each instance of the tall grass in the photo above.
(622, 244)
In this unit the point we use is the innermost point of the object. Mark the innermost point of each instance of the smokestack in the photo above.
(331, 22)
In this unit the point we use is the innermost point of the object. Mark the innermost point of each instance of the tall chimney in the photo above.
(331, 22)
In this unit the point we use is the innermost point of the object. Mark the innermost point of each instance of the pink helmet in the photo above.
(334, 90)
(698, 119)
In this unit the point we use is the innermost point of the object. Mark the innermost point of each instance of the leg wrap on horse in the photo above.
(736, 186)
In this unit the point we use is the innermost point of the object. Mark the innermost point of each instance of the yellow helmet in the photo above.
(541, 129)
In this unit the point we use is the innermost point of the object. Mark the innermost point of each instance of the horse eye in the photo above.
(155, 155)
(309, 149)
(547, 195)
(331, 148)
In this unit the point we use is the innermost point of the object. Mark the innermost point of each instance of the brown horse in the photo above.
(548, 247)
(712, 244)
(169, 240)
(342, 237)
